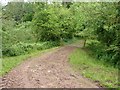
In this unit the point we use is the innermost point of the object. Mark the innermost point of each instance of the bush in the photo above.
(17, 49)
(24, 48)
(11, 40)
(107, 54)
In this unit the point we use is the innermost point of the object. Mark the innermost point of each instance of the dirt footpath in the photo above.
(49, 70)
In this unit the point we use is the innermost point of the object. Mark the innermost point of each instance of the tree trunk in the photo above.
(84, 43)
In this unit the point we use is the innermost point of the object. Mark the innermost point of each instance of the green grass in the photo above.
(104, 75)
(8, 63)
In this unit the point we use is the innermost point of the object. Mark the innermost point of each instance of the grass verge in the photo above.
(8, 63)
(104, 75)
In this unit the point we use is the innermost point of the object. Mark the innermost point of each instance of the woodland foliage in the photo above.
(26, 24)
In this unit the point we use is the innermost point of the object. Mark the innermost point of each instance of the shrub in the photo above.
(24, 48)
(107, 54)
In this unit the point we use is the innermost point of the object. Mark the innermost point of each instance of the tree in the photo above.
(53, 24)
(19, 11)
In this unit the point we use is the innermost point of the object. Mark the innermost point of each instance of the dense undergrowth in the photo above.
(21, 40)
(24, 48)
(108, 55)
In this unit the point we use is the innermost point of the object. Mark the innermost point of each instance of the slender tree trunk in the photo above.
(84, 43)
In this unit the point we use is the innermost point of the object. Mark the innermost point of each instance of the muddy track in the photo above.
(49, 70)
